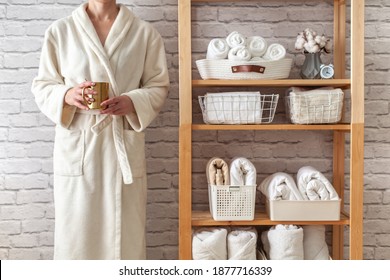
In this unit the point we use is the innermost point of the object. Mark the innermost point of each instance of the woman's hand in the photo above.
(119, 106)
(74, 95)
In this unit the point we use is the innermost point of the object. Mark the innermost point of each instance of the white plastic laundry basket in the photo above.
(232, 203)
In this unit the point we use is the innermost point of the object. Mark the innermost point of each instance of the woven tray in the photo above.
(225, 69)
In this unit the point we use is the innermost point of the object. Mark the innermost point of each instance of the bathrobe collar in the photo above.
(117, 32)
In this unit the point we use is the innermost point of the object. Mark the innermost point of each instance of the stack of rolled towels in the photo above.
(290, 241)
(224, 243)
(241, 172)
(237, 47)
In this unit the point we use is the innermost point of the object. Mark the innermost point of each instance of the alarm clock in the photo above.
(326, 71)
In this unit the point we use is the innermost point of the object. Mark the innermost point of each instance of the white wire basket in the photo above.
(225, 69)
(232, 203)
(238, 108)
(314, 108)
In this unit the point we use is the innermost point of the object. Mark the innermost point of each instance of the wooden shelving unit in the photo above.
(354, 130)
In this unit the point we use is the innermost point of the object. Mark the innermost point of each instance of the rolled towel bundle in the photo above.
(239, 53)
(280, 186)
(314, 244)
(217, 171)
(283, 242)
(313, 185)
(241, 244)
(275, 52)
(209, 244)
(242, 172)
(235, 39)
(257, 46)
(217, 49)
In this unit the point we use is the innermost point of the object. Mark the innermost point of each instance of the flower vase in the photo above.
(311, 66)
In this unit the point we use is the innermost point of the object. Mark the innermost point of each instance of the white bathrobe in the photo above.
(99, 160)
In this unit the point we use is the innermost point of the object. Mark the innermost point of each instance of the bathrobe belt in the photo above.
(117, 125)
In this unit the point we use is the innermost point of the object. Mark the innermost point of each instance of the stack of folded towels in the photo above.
(237, 47)
(322, 105)
(224, 243)
(289, 241)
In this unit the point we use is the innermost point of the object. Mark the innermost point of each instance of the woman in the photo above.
(99, 160)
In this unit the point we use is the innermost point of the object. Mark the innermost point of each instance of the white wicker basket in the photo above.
(238, 108)
(232, 203)
(224, 69)
(315, 108)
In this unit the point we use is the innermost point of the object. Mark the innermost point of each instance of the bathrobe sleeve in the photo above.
(49, 88)
(149, 99)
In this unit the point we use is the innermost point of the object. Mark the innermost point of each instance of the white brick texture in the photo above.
(26, 135)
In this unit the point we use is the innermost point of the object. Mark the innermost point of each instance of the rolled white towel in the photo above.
(209, 244)
(217, 49)
(280, 186)
(242, 172)
(283, 242)
(235, 39)
(241, 244)
(314, 244)
(313, 185)
(257, 45)
(275, 52)
(239, 53)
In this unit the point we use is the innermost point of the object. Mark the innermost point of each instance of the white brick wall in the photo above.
(26, 136)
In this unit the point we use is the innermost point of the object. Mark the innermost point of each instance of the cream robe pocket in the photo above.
(68, 152)
(135, 148)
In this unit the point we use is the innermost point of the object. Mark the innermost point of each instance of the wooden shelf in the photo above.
(335, 127)
(355, 130)
(341, 83)
(203, 218)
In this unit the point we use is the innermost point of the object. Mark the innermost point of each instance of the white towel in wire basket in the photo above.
(315, 106)
(238, 107)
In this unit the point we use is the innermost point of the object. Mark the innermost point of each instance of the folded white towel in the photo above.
(209, 244)
(217, 49)
(316, 106)
(313, 185)
(257, 45)
(239, 53)
(233, 108)
(280, 186)
(314, 244)
(275, 52)
(242, 172)
(235, 39)
(241, 244)
(283, 242)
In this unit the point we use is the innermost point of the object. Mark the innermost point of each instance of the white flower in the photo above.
(310, 41)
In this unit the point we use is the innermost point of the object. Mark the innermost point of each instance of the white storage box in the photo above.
(238, 107)
(232, 203)
(224, 69)
(303, 210)
(314, 108)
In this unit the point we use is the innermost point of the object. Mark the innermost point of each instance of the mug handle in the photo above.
(83, 95)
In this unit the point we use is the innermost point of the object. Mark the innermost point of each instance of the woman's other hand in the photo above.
(74, 95)
(119, 106)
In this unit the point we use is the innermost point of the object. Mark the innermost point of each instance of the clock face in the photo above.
(327, 72)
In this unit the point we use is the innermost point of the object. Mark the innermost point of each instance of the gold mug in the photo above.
(101, 89)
